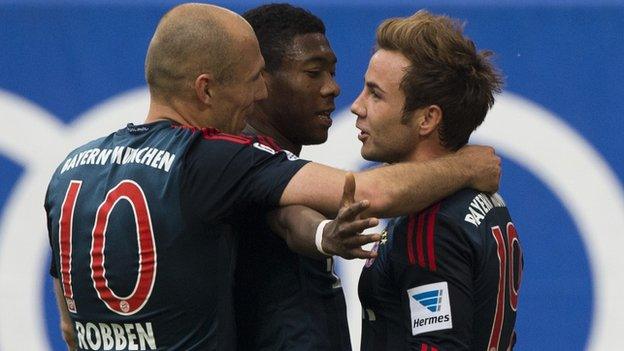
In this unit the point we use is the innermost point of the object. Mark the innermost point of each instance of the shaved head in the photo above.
(190, 40)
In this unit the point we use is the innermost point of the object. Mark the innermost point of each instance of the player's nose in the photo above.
(357, 107)
(330, 88)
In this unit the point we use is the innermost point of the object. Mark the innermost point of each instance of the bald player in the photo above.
(141, 220)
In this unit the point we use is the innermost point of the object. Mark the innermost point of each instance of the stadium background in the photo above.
(72, 70)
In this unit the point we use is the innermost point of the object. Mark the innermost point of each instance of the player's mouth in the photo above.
(363, 135)
(325, 117)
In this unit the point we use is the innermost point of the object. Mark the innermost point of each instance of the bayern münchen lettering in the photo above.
(121, 155)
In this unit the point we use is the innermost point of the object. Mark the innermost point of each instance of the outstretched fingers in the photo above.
(354, 246)
(355, 227)
(352, 211)
(363, 239)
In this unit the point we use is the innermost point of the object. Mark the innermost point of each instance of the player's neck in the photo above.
(426, 152)
(262, 126)
(159, 111)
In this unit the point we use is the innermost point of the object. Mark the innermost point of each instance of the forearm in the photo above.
(392, 190)
(410, 187)
(297, 226)
(66, 324)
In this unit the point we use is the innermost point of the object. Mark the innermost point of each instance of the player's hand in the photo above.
(483, 165)
(342, 236)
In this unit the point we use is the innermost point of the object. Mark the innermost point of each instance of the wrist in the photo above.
(318, 238)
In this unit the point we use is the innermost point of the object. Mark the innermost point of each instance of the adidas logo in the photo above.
(432, 300)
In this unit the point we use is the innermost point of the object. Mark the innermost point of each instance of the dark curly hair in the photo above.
(276, 25)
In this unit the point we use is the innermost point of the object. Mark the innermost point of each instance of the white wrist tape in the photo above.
(318, 239)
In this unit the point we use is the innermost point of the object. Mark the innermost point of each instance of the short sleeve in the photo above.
(435, 278)
(224, 177)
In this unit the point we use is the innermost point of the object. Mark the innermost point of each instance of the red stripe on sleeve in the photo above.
(423, 347)
(433, 348)
(431, 220)
(419, 239)
(410, 239)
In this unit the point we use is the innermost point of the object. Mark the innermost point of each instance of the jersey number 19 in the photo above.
(509, 258)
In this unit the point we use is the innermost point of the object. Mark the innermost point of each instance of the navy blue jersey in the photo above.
(445, 279)
(141, 230)
(285, 301)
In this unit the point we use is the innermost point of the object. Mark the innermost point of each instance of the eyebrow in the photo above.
(322, 59)
(373, 85)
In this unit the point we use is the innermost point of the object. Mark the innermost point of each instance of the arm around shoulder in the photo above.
(399, 188)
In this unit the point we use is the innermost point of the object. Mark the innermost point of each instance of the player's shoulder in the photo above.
(93, 143)
(77, 152)
(214, 139)
(469, 206)
(213, 143)
(70, 161)
(266, 140)
(451, 224)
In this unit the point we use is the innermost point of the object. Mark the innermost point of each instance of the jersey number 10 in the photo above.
(126, 190)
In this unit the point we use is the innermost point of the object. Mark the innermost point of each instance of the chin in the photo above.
(321, 139)
(366, 154)
(371, 155)
(316, 139)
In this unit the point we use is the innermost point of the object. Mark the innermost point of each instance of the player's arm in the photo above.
(66, 324)
(436, 279)
(299, 226)
(400, 188)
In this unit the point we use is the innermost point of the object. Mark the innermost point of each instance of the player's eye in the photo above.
(374, 94)
(313, 73)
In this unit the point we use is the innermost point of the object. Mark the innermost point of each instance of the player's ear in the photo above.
(204, 88)
(430, 119)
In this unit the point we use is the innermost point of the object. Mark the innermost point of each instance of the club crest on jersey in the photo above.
(71, 305)
(430, 308)
(124, 306)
